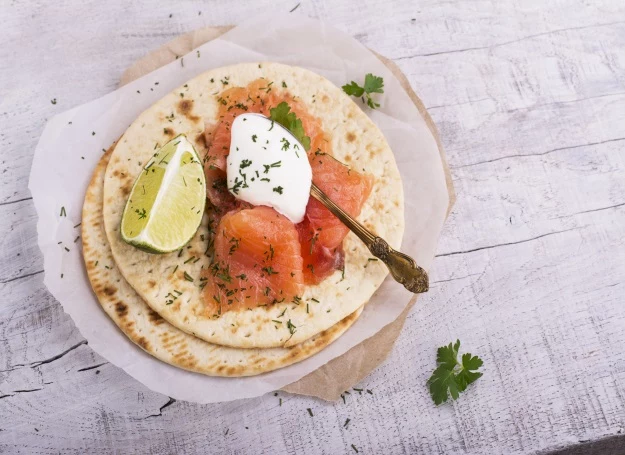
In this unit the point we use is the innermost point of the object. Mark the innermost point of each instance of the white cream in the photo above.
(268, 166)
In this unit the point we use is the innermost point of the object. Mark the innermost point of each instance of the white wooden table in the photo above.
(529, 97)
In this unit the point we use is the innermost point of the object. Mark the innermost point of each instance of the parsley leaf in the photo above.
(353, 89)
(373, 84)
(281, 114)
(452, 377)
(466, 376)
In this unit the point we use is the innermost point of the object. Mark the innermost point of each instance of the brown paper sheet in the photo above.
(345, 371)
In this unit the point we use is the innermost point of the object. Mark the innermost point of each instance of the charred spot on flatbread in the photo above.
(200, 140)
(126, 188)
(121, 309)
(109, 290)
(185, 107)
(141, 341)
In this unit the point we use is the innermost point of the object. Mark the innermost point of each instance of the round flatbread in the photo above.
(355, 140)
(156, 336)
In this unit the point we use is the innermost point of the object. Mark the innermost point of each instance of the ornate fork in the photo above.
(402, 267)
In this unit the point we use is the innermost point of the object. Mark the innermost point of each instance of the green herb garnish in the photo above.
(452, 377)
(373, 84)
(269, 270)
(269, 166)
(281, 114)
(141, 213)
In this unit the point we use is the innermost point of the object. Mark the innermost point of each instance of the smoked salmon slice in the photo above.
(257, 261)
(321, 233)
(347, 188)
(319, 261)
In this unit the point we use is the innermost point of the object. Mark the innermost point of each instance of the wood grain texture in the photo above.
(529, 98)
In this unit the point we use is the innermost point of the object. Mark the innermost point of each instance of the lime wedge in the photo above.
(166, 204)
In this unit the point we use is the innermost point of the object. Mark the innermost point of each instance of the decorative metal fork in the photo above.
(402, 267)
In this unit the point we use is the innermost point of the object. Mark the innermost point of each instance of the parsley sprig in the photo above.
(452, 377)
(283, 115)
(373, 84)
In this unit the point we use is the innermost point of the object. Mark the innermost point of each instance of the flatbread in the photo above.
(355, 140)
(155, 335)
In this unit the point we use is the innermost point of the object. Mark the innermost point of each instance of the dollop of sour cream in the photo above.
(268, 166)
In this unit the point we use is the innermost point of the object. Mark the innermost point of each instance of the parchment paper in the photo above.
(59, 177)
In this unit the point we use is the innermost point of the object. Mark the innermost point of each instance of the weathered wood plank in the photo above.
(19, 241)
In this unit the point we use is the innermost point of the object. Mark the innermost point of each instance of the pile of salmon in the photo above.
(261, 257)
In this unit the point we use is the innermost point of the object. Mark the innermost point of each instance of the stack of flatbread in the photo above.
(131, 285)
